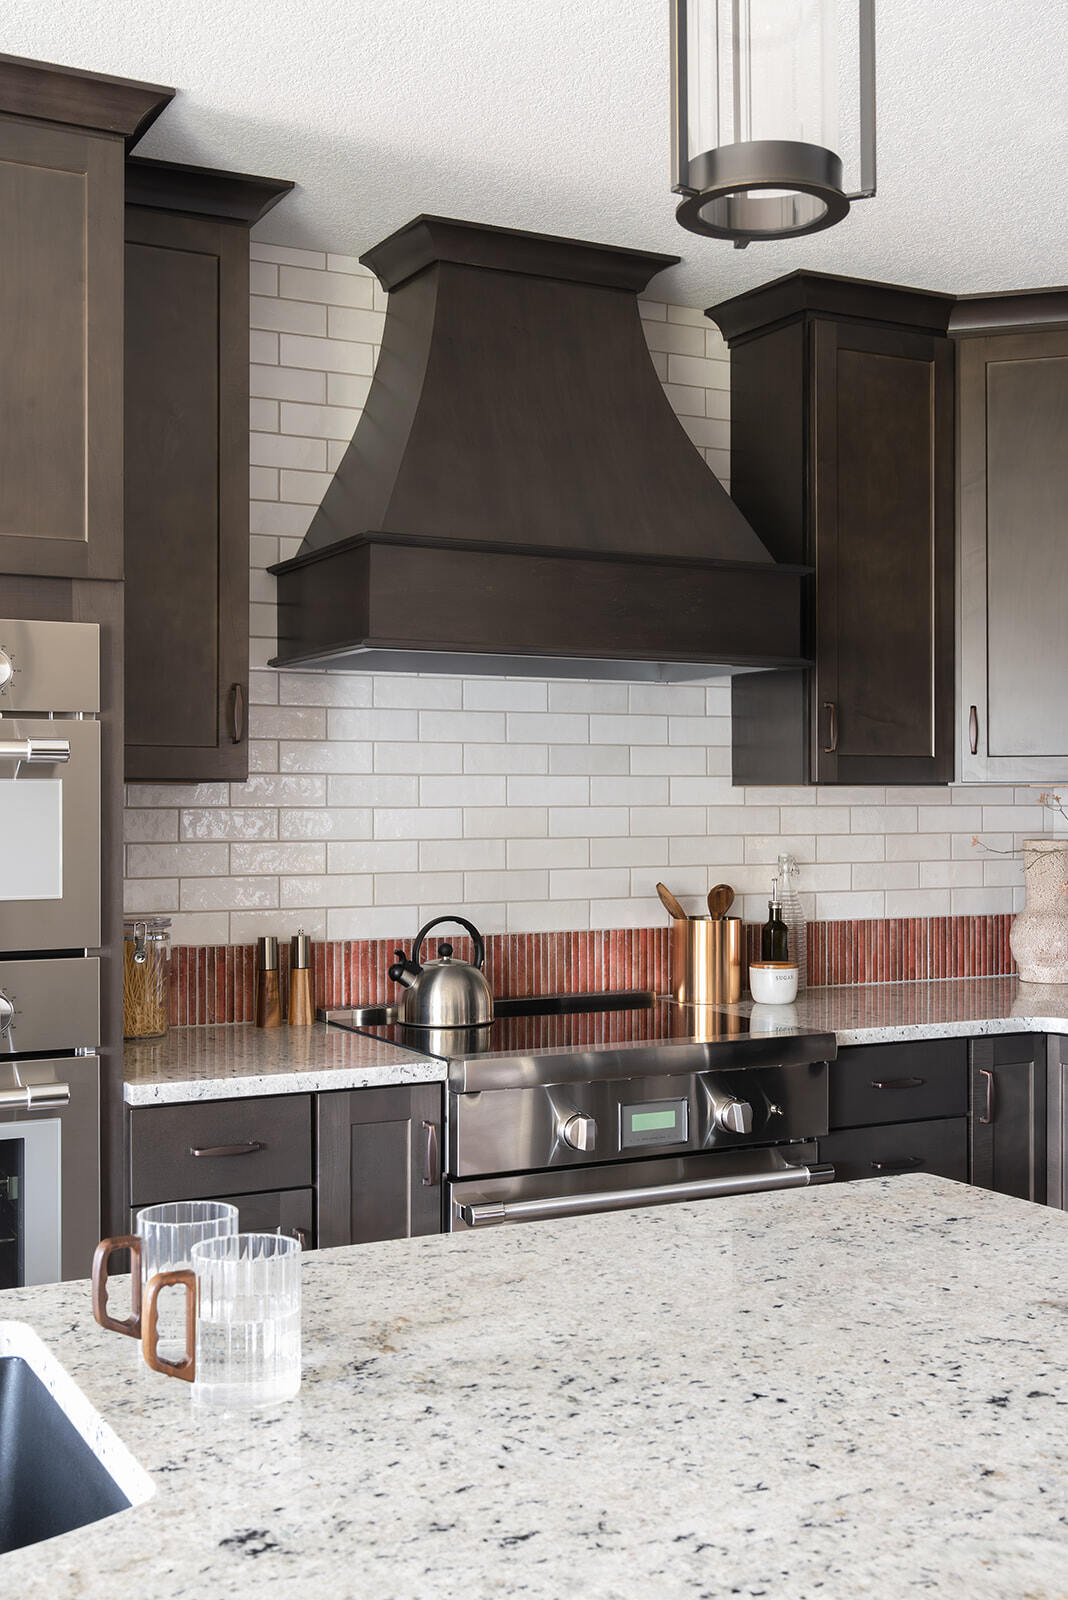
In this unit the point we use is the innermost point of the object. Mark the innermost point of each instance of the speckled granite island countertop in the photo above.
(948, 1008)
(853, 1390)
(238, 1059)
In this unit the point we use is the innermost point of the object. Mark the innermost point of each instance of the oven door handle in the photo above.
(35, 1096)
(48, 751)
(571, 1205)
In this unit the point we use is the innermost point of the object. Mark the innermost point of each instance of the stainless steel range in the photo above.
(577, 1103)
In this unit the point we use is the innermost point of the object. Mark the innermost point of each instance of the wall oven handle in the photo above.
(36, 1096)
(48, 751)
(571, 1205)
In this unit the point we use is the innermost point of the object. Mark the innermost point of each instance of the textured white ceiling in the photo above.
(553, 115)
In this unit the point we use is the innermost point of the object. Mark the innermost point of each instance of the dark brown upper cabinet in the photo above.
(842, 458)
(62, 135)
(186, 469)
(1012, 365)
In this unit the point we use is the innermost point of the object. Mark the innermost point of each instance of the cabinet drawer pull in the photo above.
(985, 1072)
(898, 1083)
(430, 1155)
(831, 708)
(973, 730)
(903, 1164)
(247, 1149)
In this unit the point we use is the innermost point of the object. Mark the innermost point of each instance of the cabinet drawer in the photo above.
(247, 1146)
(901, 1147)
(286, 1210)
(898, 1083)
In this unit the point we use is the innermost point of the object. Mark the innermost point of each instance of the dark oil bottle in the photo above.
(775, 938)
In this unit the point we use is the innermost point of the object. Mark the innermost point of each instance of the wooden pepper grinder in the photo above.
(301, 1009)
(268, 995)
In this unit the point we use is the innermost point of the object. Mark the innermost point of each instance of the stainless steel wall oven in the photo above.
(49, 929)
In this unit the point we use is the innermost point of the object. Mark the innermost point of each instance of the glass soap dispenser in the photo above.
(793, 916)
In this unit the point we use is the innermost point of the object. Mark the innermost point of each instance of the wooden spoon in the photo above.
(670, 904)
(720, 900)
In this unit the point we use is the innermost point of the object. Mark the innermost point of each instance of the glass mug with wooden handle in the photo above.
(242, 1320)
(163, 1242)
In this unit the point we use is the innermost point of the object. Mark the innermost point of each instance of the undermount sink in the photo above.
(61, 1466)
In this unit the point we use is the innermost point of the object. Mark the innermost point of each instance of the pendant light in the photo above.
(766, 94)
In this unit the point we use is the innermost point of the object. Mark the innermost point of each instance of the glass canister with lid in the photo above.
(146, 954)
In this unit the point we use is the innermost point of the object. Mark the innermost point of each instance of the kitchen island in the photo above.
(850, 1390)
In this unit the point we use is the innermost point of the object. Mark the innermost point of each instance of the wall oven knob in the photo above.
(580, 1132)
(7, 1011)
(7, 669)
(734, 1116)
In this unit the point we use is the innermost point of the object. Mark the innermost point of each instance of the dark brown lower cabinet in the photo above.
(1008, 1115)
(896, 1108)
(379, 1164)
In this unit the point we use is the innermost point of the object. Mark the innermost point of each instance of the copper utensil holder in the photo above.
(706, 960)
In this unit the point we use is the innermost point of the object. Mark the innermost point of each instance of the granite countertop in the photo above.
(238, 1059)
(946, 1008)
(852, 1390)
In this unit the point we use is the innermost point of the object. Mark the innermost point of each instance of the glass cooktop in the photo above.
(532, 1024)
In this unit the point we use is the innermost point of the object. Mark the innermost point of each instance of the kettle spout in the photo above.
(404, 971)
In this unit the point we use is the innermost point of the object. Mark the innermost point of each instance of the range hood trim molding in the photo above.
(425, 541)
(429, 239)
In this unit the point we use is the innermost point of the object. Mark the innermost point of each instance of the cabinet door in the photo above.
(1008, 1116)
(1013, 713)
(379, 1164)
(881, 707)
(61, 341)
(186, 476)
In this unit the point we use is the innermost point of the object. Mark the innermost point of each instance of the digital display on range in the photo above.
(655, 1122)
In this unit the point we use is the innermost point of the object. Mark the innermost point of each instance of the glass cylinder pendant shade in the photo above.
(772, 100)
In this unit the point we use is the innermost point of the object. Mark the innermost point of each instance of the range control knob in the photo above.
(734, 1116)
(7, 669)
(7, 1011)
(580, 1131)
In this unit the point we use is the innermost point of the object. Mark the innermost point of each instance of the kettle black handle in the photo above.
(461, 922)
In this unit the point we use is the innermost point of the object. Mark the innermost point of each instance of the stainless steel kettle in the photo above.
(445, 993)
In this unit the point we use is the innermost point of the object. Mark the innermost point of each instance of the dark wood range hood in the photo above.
(518, 496)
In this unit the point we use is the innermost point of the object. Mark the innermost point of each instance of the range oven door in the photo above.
(567, 1192)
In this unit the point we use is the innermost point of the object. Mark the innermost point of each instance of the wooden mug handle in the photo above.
(130, 1325)
(186, 1366)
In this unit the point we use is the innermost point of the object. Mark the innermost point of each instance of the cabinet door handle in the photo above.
(985, 1072)
(237, 699)
(902, 1165)
(430, 1155)
(898, 1083)
(831, 708)
(247, 1149)
(973, 730)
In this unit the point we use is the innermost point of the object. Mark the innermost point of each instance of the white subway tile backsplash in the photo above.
(532, 803)
(275, 859)
(325, 822)
(337, 889)
(374, 855)
(552, 852)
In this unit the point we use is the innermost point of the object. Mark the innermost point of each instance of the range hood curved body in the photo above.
(518, 496)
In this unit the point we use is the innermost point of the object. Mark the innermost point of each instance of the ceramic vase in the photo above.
(1038, 937)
